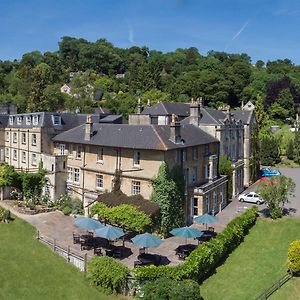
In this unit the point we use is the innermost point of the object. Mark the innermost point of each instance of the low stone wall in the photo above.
(28, 211)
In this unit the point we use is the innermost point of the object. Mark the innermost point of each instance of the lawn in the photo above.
(290, 291)
(256, 264)
(30, 270)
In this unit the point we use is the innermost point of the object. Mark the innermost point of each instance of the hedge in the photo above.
(107, 274)
(205, 258)
(294, 256)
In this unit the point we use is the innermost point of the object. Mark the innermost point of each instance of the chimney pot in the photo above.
(88, 128)
(175, 130)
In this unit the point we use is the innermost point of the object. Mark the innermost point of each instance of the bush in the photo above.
(124, 215)
(67, 205)
(107, 274)
(67, 210)
(276, 212)
(4, 215)
(290, 150)
(171, 290)
(294, 256)
(205, 258)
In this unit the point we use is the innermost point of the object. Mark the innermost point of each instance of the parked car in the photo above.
(251, 197)
(267, 172)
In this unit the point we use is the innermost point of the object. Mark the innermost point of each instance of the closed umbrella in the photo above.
(186, 232)
(146, 240)
(206, 219)
(88, 223)
(109, 232)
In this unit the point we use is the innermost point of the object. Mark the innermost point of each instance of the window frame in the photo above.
(24, 138)
(136, 159)
(100, 155)
(99, 179)
(15, 137)
(78, 153)
(33, 159)
(15, 156)
(76, 174)
(24, 157)
(135, 187)
(33, 139)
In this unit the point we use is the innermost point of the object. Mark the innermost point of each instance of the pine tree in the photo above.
(297, 147)
(270, 153)
(290, 150)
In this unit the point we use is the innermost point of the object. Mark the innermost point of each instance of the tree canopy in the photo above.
(121, 75)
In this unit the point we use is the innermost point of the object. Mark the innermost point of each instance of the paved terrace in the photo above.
(55, 225)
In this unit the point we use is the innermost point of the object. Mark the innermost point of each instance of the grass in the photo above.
(290, 291)
(256, 264)
(30, 270)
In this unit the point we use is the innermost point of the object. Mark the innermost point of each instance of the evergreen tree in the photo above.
(290, 150)
(169, 197)
(270, 153)
(225, 168)
(297, 147)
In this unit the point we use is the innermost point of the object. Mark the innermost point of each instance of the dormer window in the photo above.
(11, 120)
(56, 120)
(35, 120)
(28, 120)
(19, 120)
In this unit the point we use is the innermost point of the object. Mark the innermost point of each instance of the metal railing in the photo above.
(279, 283)
(70, 255)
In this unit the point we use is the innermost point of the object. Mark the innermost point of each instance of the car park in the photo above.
(251, 197)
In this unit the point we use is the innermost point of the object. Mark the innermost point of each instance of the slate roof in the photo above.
(45, 119)
(3, 121)
(168, 108)
(244, 115)
(152, 137)
(209, 115)
(117, 119)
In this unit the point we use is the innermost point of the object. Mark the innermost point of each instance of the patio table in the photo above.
(149, 259)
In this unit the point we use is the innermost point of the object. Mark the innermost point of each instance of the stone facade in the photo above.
(91, 170)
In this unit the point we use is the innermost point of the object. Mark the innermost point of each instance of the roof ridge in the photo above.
(159, 137)
(163, 105)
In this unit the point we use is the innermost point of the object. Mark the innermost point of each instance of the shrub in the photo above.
(67, 205)
(1, 213)
(67, 210)
(290, 150)
(124, 215)
(294, 256)
(170, 289)
(205, 258)
(4, 215)
(107, 274)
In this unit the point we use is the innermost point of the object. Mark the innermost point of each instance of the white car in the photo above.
(251, 197)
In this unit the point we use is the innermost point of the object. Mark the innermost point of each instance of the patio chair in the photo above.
(181, 256)
(98, 251)
(211, 229)
(87, 244)
(137, 263)
(76, 238)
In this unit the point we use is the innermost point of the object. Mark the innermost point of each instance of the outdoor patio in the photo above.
(60, 228)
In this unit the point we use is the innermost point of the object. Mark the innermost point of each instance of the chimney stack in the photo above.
(88, 128)
(228, 113)
(140, 106)
(195, 111)
(175, 136)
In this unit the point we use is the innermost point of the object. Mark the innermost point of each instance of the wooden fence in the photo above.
(72, 256)
(268, 292)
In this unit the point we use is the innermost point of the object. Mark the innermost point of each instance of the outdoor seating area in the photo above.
(104, 240)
